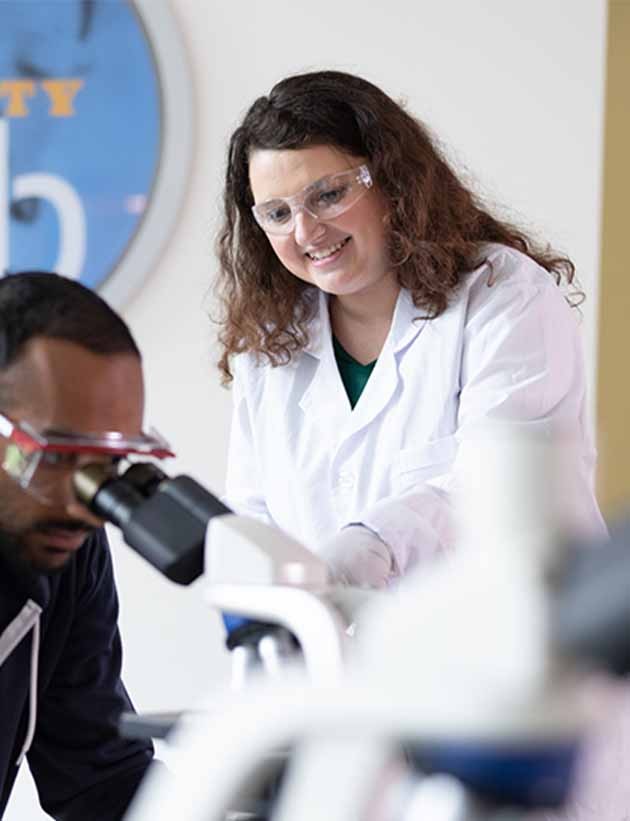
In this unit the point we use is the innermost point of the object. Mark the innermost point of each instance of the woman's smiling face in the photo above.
(343, 256)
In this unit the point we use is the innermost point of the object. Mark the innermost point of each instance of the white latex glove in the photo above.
(359, 558)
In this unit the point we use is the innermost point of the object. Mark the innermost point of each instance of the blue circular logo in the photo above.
(86, 90)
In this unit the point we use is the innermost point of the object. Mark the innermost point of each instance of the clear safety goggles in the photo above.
(40, 462)
(324, 199)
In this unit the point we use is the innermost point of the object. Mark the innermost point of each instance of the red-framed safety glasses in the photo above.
(37, 460)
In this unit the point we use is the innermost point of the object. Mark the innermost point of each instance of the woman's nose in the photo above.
(306, 228)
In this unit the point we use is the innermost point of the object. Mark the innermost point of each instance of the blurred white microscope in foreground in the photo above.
(458, 697)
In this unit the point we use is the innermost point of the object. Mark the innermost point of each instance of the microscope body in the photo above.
(279, 605)
(466, 665)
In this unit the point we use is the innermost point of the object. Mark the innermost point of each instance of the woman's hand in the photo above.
(357, 557)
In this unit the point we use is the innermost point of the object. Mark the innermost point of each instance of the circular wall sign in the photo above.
(95, 138)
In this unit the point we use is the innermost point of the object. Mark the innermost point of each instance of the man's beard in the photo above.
(12, 552)
(15, 552)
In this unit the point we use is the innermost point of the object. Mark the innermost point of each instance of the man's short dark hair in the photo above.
(37, 303)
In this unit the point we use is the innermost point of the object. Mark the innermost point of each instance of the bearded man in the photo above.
(71, 392)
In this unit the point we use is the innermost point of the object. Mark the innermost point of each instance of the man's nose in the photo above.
(73, 506)
(306, 228)
(81, 513)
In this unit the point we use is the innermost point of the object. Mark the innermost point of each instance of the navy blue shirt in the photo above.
(82, 769)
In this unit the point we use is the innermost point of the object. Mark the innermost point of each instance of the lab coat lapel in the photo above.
(384, 379)
(325, 398)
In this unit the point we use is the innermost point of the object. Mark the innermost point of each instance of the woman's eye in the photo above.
(280, 214)
(331, 196)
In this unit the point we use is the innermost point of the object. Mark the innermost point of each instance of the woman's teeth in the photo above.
(327, 252)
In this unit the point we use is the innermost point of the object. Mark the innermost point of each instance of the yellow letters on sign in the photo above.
(17, 91)
(61, 94)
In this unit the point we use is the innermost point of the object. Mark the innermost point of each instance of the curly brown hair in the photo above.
(434, 224)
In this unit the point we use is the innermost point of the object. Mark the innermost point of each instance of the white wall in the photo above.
(515, 90)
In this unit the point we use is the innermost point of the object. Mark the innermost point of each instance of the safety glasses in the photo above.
(324, 199)
(40, 462)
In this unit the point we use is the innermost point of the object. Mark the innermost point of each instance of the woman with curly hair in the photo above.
(374, 314)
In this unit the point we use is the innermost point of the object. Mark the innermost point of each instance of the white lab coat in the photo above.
(507, 348)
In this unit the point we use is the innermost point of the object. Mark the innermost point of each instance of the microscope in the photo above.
(457, 700)
(276, 598)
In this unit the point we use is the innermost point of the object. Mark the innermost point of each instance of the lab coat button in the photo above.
(345, 481)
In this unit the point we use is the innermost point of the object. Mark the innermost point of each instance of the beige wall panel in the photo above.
(614, 322)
